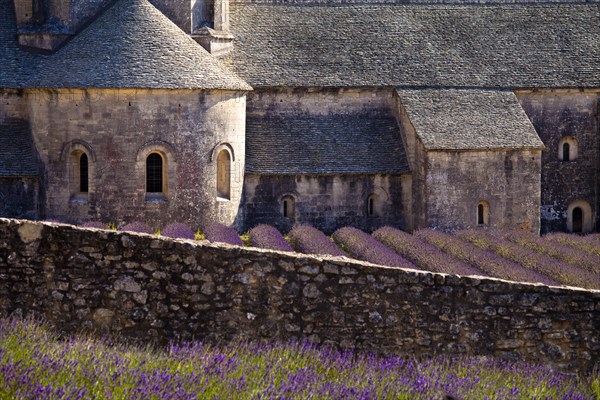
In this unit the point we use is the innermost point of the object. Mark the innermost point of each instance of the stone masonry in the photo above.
(154, 289)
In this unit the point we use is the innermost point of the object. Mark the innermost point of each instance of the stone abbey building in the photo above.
(356, 112)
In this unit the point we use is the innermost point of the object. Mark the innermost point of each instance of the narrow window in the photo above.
(154, 173)
(83, 173)
(288, 207)
(566, 149)
(483, 213)
(371, 206)
(577, 220)
(223, 174)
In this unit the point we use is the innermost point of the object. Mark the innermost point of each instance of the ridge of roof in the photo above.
(130, 44)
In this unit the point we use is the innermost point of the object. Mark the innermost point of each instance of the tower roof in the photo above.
(130, 45)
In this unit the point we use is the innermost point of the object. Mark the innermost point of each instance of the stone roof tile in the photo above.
(469, 119)
(331, 144)
(17, 157)
(442, 45)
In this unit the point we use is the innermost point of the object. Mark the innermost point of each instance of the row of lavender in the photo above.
(555, 259)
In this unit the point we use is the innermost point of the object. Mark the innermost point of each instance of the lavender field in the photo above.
(555, 259)
(37, 363)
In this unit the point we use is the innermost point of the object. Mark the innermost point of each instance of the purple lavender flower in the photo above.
(178, 230)
(222, 234)
(308, 240)
(561, 272)
(559, 251)
(364, 247)
(421, 253)
(485, 260)
(268, 237)
(138, 227)
(585, 243)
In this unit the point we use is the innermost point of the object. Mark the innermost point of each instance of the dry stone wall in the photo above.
(154, 289)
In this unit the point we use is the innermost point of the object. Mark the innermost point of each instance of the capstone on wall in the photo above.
(152, 289)
(508, 181)
(557, 116)
(117, 129)
(328, 202)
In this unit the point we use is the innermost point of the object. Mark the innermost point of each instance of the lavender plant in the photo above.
(363, 246)
(485, 260)
(585, 243)
(559, 271)
(222, 234)
(308, 240)
(178, 230)
(36, 363)
(138, 227)
(268, 237)
(423, 254)
(566, 254)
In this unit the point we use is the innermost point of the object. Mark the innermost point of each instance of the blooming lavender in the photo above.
(178, 230)
(94, 224)
(363, 246)
(585, 243)
(566, 254)
(308, 240)
(268, 237)
(561, 272)
(222, 234)
(485, 260)
(138, 227)
(36, 363)
(421, 253)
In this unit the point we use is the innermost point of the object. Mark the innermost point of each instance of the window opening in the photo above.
(577, 220)
(83, 173)
(154, 173)
(566, 149)
(223, 174)
(371, 206)
(480, 211)
(287, 207)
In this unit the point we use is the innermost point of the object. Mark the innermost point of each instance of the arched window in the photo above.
(154, 173)
(224, 174)
(579, 217)
(372, 206)
(567, 148)
(483, 213)
(83, 173)
(577, 220)
(288, 207)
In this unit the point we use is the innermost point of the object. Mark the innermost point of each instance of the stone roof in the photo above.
(17, 157)
(469, 119)
(444, 45)
(331, 144)
(130, 45)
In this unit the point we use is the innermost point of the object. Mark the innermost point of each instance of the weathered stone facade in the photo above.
(118, 129)
(328, 202)
(557, 115)
(153, 289)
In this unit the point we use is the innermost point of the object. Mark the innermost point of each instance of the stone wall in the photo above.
(117, 129)
(508, 181)
(566, 114)
(327, 202)
(152, 290)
